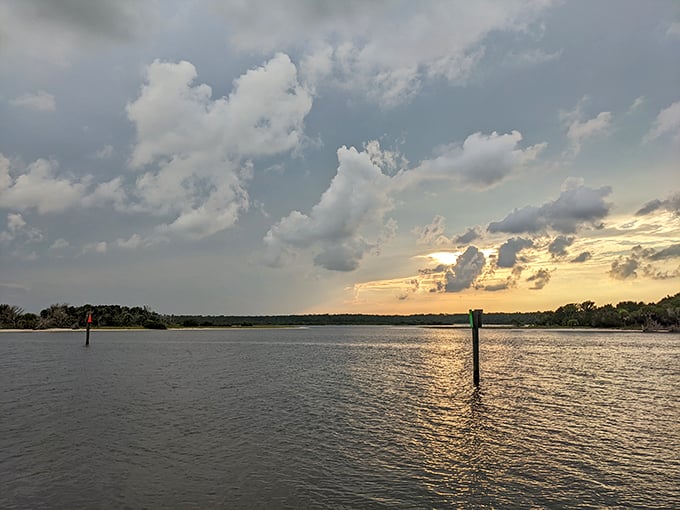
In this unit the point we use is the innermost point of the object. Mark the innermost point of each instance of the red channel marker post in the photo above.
(87, 331)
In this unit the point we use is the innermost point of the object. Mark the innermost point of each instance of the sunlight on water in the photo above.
(330, 417)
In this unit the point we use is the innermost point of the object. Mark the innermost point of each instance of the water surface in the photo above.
(328, 417)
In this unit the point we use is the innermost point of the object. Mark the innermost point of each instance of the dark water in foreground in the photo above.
(335, 417)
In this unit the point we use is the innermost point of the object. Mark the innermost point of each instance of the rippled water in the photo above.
(339, 417)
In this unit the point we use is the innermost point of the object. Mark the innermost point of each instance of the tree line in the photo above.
(74, 317)
(664, 314)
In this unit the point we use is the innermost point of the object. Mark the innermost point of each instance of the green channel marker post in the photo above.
(475, 324)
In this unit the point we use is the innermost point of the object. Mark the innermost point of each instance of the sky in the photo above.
(390, 157)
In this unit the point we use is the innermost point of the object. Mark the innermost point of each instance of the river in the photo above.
(339, 417)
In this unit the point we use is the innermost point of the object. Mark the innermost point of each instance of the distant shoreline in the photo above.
(452, 326)
(94, 330)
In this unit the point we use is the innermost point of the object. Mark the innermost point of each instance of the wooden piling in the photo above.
(475, 324)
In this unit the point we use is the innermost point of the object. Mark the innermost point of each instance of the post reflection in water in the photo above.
(453, 424)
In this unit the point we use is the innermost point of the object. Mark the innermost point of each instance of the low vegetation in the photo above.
(664, 314)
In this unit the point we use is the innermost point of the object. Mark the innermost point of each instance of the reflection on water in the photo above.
(332, 417)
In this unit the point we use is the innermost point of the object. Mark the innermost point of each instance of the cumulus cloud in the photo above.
(558, 246)
(432, 233)
(197, 168)
(347, 221)
(38, 187)
(39, 101)
(507, 253)
(671, 204)
(465, 271)
(667, 123)
(539, 279)
(388, 60)
(481, 162)
(582, 257)
(575, 208)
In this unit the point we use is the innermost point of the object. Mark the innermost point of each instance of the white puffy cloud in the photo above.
(481, 161)
(361, 192)
(263, 115)
(575, 207)
(197, 167)
(38, 187)
(39, 101)
(345, 224)
(667, 123)
(390, 59)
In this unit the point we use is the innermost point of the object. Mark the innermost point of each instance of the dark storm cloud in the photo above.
(574, 208)
(624, 268)
(470, 235)
(540, 279)
(628, 267)
(439, 269)
(582, 257)
(507, 253)
(558, 247)
(101, 19)
(667, 253)
(497, 287)
(465, 271)
(671, 204)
